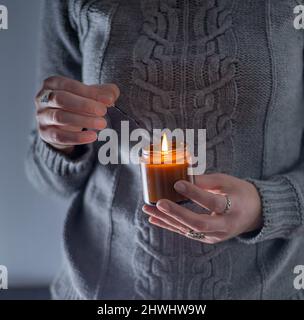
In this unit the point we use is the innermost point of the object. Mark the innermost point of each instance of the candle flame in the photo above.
(164, 146)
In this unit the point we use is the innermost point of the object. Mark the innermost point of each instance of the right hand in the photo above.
(72, 107)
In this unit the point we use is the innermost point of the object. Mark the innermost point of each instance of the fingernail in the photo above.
(107, 98)
(180, 186)
(145, 209)
(162, 205)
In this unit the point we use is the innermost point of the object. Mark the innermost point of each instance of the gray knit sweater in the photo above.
(233, 67)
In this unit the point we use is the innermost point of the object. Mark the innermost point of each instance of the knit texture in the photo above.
(183, 78)
(213, 64)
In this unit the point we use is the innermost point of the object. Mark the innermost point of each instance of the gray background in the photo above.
(30, 223)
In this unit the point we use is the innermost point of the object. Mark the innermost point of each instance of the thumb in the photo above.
(109, 90)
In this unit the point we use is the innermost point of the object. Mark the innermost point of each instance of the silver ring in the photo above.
(228, 204)
(195, 235)
(45, 98)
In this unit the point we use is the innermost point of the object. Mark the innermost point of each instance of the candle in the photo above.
(161, 167)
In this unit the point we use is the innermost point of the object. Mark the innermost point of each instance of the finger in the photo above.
(153, 211)
(211, 201)
(207, 239)
(73, 129)
(55, 135)
(109, 90)
(71, 102)
(58, 117)
(164, 225)
(106, 93)
(214, 236)
(197, 222)
(211, 238)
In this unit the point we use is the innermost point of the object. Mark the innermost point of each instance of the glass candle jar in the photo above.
(160, 169)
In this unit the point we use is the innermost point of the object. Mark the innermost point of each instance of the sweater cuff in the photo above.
(281, 209)
(61, 164)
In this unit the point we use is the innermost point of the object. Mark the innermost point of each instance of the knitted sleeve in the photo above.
(282, 199)
(59, 54)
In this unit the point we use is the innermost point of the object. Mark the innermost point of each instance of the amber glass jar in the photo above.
(161, 169)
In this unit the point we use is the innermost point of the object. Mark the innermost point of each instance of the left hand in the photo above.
(244, 215)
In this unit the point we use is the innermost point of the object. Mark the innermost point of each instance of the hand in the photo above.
(209, 192)
(73, 106)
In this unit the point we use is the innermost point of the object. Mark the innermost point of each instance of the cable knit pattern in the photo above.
(184, 77)
(170, 266)
(184, 71)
